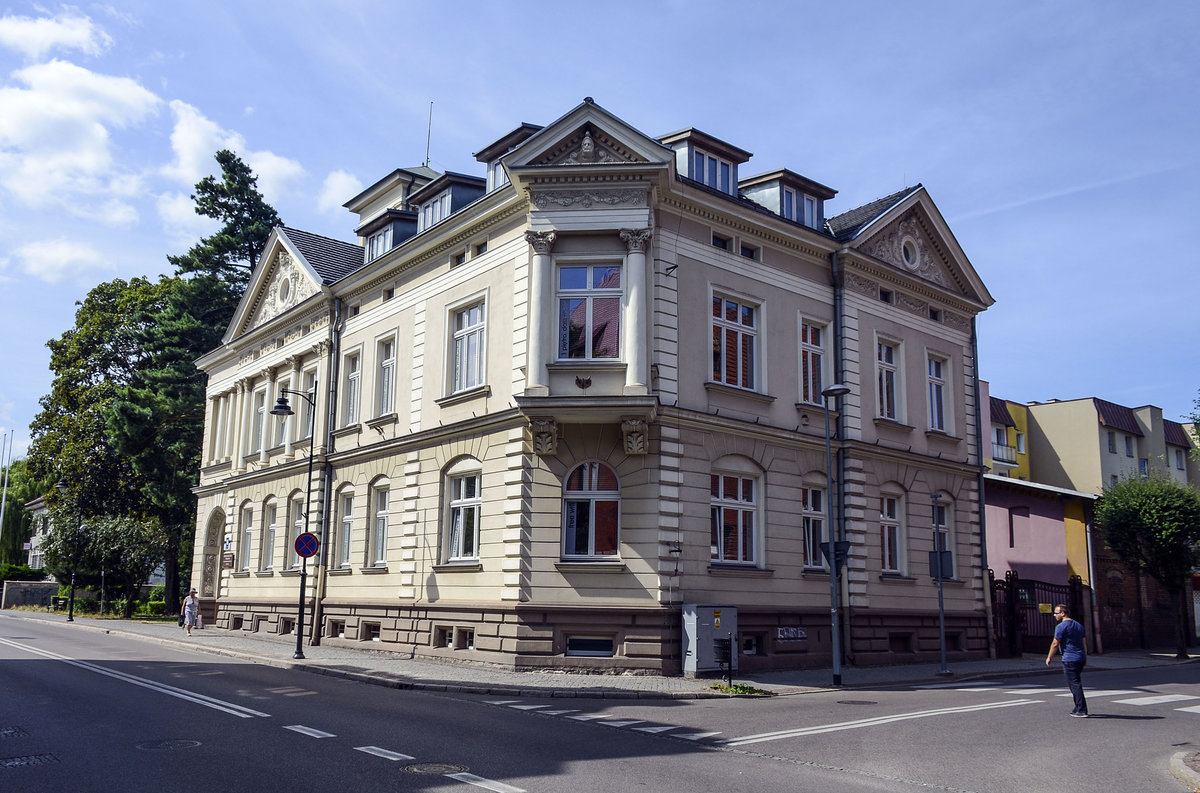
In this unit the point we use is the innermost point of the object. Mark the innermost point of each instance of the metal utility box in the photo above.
(703, 624)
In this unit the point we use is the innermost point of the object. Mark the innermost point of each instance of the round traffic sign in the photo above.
(307, 544)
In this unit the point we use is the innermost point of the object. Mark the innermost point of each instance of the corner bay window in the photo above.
(733, 509)
(589, 311)
(735, 335)
(591, 512)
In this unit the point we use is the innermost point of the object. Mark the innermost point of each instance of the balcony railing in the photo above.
(1004, 454)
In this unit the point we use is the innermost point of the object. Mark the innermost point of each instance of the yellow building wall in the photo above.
(1020, 417)
(1075, 525)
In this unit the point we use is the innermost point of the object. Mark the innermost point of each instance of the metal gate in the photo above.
(1018, 621)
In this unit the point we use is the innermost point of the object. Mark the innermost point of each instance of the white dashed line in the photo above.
(623, 723)
(527, 707)
(309, 731)
(558, 712)
(384, 753)
(1106, 693)
(696, 736)
(654, 730)
(1192, 709)
(588, 716)
(487, 784)
(1159, 700)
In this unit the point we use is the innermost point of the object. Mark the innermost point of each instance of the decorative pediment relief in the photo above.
(287, 285)
(589, 146)
(906, 246)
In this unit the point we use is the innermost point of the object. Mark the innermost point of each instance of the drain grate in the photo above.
(27, 760)
(12, 732)
(439, 769)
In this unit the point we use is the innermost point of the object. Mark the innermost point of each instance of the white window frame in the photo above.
(812, 362)
(378, 243)
(586, 498)
(247, 536)
(434, 211)
(888, 382)
(715, 172)
(1129, 446)
(385, 389)
(1179, 464)
(813, 520)
(259, 417)
(723, 328)
(937, 371)
(722, 504)
(296, 529)
(587, 297)
(309, 378)
(270, 516)
(1020, 443)
(464, 507)
(345, 529)
(497, 177)
(352, 377)
(1112, 442)
(467, 333)
(943, 522)
(283, 429)
(380, 501)
(892, 547)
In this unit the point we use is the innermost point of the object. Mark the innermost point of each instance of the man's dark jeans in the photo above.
(1073, 670)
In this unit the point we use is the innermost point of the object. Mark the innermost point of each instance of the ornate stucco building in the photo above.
(557, 402)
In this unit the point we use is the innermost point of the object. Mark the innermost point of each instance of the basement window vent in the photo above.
(590, 646)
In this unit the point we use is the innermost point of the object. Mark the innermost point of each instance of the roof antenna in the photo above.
(428, 130)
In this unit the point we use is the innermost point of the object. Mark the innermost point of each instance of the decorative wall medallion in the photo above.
(904, 246)
(543, 199)
(545, 436)
(634, 431)
(287, 286)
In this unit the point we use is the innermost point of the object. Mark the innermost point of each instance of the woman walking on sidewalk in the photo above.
(191, 611)
(1070, 640)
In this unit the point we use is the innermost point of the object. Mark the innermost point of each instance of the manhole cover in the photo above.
(857, 702)
(438, 769)
(12, 732)
(167, 746)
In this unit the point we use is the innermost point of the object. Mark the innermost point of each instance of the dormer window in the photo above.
(434, 211)
(379, 243)
(800, 207)
(497, 177)
(713, 171)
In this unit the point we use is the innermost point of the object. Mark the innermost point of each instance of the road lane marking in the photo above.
(500, 701)
(384, 753)
(559, 712)
(162, 688)
(1101, 693)
(1159, 700)
(527, 707)
(487, 784)
(696, 736)
(622, 723)
(932, 686)
(655, 730)
(588, 716)
(309, 731)
(1192, 709)
(853, 725)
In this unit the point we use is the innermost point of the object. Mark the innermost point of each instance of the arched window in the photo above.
(464, 505)
(344, 532)
(591, 512)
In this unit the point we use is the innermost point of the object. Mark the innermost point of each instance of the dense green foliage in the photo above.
(1152, 524)
(20, 572)
(18, 523)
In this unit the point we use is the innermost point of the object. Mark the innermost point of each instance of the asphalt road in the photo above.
(84, 711)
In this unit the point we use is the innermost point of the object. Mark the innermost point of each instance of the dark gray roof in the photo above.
(1000, 414)
(332, 259)
(1117, 417)
(848, 225)
(1175, 434)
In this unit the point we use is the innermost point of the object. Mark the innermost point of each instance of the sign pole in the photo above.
(306, 545)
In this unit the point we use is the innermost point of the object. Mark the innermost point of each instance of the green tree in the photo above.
(18, 523)
(119, 553)
(231, 254)
(1152, 524)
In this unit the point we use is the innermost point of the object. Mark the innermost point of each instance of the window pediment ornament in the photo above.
(589, 146)
(904, 246)
(634, 431)
(543, 199)
(287, 286)
(545, 436)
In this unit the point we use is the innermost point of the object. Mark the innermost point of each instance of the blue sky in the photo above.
(1058, 140)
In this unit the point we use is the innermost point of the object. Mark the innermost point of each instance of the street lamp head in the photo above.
(61, 486)
(835, 390)
(282, 408)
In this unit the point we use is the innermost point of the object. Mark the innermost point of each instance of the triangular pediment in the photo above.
(590, 145)
(588, 136)
(283, 280)
(914, 239)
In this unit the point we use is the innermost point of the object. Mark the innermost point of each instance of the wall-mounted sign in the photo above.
(227, 560)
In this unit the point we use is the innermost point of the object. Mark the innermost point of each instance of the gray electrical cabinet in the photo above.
(703, 624)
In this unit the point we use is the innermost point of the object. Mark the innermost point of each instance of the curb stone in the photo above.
(1186, 768)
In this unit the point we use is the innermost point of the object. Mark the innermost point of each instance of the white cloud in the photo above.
(338, 188)
(56, 139)
(55, 260)
(36, 37)
(180, 221)
(196, 138)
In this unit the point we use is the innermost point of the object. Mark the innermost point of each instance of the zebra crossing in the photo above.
(608, 720)
(1124, 696)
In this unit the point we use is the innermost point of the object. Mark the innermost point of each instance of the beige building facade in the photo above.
(548, 407)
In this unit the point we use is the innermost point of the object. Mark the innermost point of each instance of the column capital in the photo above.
(636, 239)
(542, 241)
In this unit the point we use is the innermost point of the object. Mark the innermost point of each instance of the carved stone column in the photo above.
(293, 422)
(541, 276)
(636, 325)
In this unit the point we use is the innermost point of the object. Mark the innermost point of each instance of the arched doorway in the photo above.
(214, 533)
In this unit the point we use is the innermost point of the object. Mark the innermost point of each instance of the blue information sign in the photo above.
(307, 544)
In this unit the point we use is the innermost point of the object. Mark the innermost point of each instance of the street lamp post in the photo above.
(282, 408)
(62, 488)
(834, 552)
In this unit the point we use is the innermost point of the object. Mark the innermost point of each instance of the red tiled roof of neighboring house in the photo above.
(1176, 434)
(1117, 417)
(1000, 414)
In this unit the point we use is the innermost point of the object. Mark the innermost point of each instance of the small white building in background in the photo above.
(40, 522)
(557, 401)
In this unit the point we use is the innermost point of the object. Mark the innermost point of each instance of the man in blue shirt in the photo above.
(1070, 640)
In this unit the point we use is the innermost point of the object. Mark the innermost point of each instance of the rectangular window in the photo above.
(714, 172)
(497, 177)
(465, 503)
(937, 394)
(297, 530)
(481, 248)
(721, 241)
(812, 346)
(1020, 443)
(379, 536)
(1179, 459)
(1128, 446)
(257, 437)
(591, 512)
(812, 521)
(749, 251)
(733, 509)
(1112, 442)
(469, 335)
(1144, 467)
(810, 211)
(346, 533)
(247, 534)
(889, 534)
(888, 376)
(353, 383)
(306, 407)
(379, 243)
(941, 534)
(589, 311)
(387, 377)
(268, 549)
(434, 211)
(735, 337)
(283, 425)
